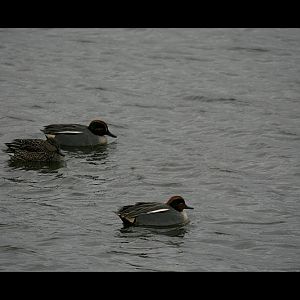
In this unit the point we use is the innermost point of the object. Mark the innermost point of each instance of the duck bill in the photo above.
(188, 207)
(110, 134)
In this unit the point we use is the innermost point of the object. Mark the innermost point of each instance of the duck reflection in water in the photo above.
(177, 231)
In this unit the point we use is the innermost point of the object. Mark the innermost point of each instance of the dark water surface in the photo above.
(209, 114)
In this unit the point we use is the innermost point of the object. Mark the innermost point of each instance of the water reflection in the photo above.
(84, 149)
(179, 231)
(43, 167)
(92, 153)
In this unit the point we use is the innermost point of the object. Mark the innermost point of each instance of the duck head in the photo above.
(178, 203)
(100, 128)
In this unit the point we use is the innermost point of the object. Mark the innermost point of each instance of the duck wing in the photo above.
(64, 129)
(140, 208)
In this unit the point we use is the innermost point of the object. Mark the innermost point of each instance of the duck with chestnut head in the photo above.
(77, 135)
(155, 214)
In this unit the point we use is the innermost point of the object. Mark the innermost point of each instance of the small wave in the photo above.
(283, 135)
(20, 118)
(163, 57)
(291, 135)
(99, 88)
(37, 106)
(85, 41)
(148, 106)
(162, 184)
(193, 58)
(212, 99)
(223, 170)
(257, 49)
(10, 248)
(249, 223)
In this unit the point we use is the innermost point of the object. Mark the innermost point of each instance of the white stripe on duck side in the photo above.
(157, 210)
(69, 132)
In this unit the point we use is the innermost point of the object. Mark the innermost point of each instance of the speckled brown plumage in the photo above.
(35, 150)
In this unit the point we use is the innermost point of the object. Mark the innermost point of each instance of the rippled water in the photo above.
(209, 114)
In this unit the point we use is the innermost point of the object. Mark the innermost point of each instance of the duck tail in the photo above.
(126, 222)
